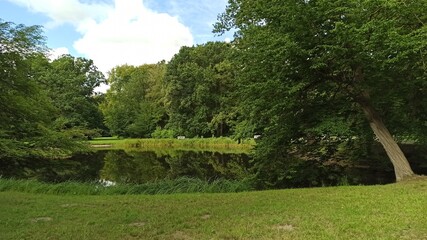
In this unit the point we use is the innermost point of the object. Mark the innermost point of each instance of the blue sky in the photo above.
(115, 32)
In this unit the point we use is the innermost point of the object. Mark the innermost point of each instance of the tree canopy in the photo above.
(70, 82)
(26, 112)
(134, 105)
(200, 86)
(313, 68)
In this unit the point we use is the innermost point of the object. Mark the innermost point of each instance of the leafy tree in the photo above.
(134, 104)
(18, 44)
(70, 83)
(311, 68)
(26, 113)
(199, 83)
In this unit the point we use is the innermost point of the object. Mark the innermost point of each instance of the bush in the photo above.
(163, 133)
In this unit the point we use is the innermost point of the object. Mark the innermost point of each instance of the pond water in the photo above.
(138, 166)
(130, 166)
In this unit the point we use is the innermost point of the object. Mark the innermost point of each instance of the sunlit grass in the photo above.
(225, 145)
(395, 211)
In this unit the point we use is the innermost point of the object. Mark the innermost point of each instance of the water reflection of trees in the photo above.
(82, 168)
(132, 167)
(145, 166)
(234, 166)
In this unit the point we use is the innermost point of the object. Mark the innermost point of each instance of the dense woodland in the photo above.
(321, 81)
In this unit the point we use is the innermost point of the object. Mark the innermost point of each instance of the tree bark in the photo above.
(402, 169)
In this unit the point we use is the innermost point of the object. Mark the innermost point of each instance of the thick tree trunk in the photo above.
(401, 165)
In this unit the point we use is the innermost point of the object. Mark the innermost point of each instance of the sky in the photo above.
(117, 32)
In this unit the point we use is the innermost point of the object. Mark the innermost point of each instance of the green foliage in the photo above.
(306, 163)
(70, 84)
(303, 66)
(200, 84)
(22, 104)
(26, 112)
(163, 133)
(134, 105)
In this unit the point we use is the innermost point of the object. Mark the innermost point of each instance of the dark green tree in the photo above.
(199, 83)
(313, 67)
(70, 83)
(134, 105)
(26, 112)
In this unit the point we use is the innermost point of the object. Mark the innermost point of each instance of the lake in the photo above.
(130, 166)
(137, 166)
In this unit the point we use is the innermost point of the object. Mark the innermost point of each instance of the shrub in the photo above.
(163, 133)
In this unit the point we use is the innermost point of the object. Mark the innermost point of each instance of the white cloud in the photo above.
(65, 11)
(132, 34)
(111, 35)
(198, 15)
(57, 52)
(102, 88)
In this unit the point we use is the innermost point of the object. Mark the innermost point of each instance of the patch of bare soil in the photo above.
(67, 205)
(42, 219)
(179, 235)
(284, 227)
(415, 179)
(77, 205)
(137, 224)
(101, 145)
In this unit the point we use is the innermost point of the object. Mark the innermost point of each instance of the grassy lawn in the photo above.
(395, 211)
(194, 144)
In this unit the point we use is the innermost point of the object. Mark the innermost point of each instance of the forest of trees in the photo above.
(321, 81)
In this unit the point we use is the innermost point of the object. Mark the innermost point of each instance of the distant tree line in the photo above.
(194, 95)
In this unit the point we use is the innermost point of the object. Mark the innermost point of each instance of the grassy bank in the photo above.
(195, 144)
(179, 185)
(395, 211)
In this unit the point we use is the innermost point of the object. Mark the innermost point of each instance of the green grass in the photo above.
(225, 145)
(179, 185)
(395, 211)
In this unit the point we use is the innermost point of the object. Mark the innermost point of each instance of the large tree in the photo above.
(26, 112)
(310, 64)
(134, 105)
(200, 84)
(70, 83)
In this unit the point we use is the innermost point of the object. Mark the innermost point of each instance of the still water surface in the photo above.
(130, 166)
(136, 166)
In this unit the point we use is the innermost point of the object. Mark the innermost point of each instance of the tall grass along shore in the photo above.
(225, 145)
(164, 186)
